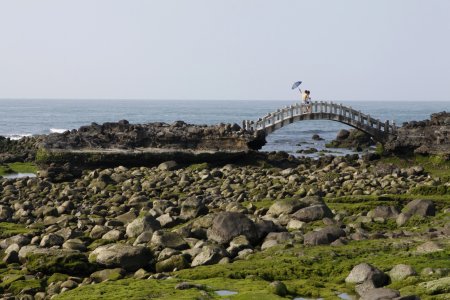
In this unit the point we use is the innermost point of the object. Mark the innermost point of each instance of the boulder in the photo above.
(342, 134)
(228, 225)
(143, 238)
(168, 166)
(193, 207)
(141, 224)
(429, 247)
(50, 240)
(285, 207)
(166, 239)
(175, 262)
(366, 272)
(313, 213)
(324, 236)
(123, 256)
(107, 275)
(74, 244)
(278, 288)
(420, 207)
(5, 213)
(438, 286)
(49, 261)
(385, 212)
(401, 272)
(380, 294)
(209, 255)
(275, 238)
(237, 244)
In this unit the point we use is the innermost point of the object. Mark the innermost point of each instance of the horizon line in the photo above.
(262, 100)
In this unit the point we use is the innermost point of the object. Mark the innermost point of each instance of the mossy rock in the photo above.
(108, 274)
(10, 229)
(31, 286)
(49, 261)
(9, 279)
(278, 288)
(178, 262)
(57, 277)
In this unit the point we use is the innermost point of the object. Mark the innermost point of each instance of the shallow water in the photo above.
(19, 175)
(225, 293)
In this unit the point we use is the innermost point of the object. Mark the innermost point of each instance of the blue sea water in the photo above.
(29, 117)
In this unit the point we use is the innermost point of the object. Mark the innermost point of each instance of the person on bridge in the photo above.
(307, 101)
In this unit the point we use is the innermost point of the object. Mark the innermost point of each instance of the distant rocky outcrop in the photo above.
(178, 135)
(428, 137)
(352, 139)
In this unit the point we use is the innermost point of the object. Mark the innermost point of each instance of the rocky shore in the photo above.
(428, 137)
(202, 228)
(179, 211)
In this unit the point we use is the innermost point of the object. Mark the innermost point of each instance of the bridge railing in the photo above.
(319, 107)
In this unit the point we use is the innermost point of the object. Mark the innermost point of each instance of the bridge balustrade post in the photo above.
(386, 127)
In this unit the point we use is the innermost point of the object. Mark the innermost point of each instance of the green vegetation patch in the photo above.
(25, 286)
(17, 167)
(10, 229)
(58, 262)
(133, 289)
(435, 165)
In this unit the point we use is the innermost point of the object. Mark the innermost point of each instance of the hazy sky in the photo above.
(227, 49)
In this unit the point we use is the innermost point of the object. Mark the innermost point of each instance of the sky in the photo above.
(225, 49)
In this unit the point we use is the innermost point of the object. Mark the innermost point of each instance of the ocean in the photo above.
(20, 118)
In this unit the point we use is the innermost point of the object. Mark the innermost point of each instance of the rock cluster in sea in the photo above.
(423, 137)
(146, 222)
(178, 135)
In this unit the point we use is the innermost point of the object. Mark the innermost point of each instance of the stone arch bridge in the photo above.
(320, 110)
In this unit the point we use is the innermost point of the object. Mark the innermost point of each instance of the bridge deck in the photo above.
(322, 111)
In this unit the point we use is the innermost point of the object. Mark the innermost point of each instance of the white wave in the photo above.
(57, 130)
(17, 136)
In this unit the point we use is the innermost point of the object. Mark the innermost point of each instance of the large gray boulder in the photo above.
(228, 225)
(438, 286)
(49, 261)
(175, 262)
(380, 294)
(324, 236)
(275, 238)
(385, 212)
(285, 207)
(313, 213)
(166, 239)
(209, 255)
(5, 213)
(401, 272)
(192, 208)
(141, 224)
(420, 207)
(107, 275)
(365, 272)
(123, 256)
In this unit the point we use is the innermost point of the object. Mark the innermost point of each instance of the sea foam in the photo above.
(17, 136)
(57, 130)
